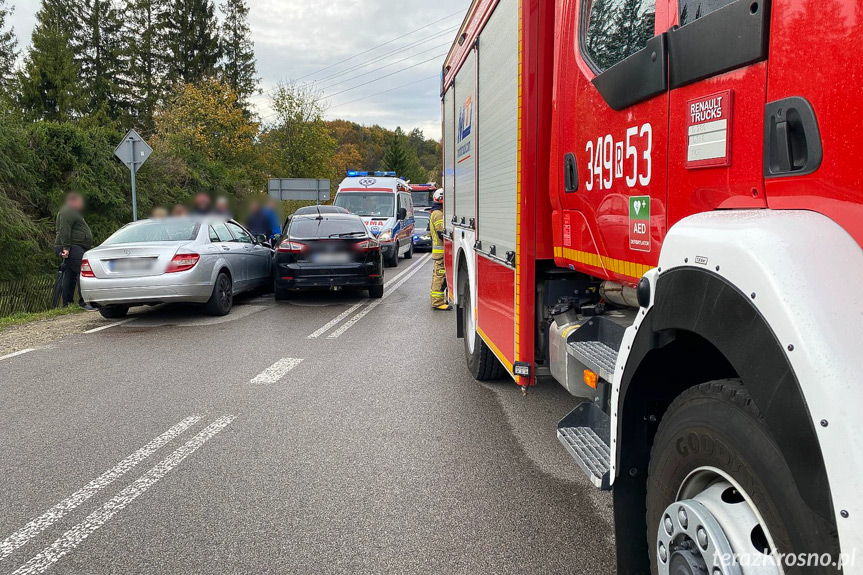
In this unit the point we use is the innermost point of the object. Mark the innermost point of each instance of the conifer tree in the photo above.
(8, 48)
(49, 83)
(238, 68)
(191, 40)
(98, 44)
(147, 60)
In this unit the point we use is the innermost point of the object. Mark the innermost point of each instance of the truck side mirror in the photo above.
(403, 213)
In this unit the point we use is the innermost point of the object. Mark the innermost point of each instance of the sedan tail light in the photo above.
(367, 246)
(86, 270)
(287, 246)
(183, 262)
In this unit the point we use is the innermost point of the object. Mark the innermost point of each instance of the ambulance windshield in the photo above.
(368, 204)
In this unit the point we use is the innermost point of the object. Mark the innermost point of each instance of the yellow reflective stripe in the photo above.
(437, 293)
(437, 249)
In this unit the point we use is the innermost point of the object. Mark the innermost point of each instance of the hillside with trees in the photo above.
(172, 71)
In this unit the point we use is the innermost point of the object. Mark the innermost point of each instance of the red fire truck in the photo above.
(659, 205)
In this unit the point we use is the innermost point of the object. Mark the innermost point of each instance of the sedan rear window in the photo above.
(155, 231)
(312, 228)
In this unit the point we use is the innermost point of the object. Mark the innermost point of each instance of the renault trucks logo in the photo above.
(366, 182)
(465, 119)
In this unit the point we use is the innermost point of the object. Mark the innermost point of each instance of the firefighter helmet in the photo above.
(438, 196)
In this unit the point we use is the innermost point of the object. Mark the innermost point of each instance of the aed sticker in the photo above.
(567, 229)
(639, 223)
(708, 125)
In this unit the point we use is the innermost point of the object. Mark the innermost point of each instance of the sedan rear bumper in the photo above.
(143, 291)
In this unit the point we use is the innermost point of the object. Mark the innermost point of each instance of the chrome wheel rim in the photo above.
(714, 528)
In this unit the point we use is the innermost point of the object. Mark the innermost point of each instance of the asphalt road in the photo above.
(180, 443)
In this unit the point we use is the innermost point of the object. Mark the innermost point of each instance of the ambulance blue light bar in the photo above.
(379, 174)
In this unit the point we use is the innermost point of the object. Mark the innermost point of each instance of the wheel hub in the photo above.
(713, 529)
(687, 561)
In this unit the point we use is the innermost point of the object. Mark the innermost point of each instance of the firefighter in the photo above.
(438, 286)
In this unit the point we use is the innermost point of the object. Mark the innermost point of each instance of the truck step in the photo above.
(597, 356)
(585, 433)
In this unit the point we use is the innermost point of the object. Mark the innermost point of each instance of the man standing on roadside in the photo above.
(436, 226)
(73, 239)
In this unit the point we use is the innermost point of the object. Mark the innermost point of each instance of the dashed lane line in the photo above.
(276, 371)
(110, 325)
(17, 353)
(347, 325)
(345, 314)
(38, 525)
(67, 542)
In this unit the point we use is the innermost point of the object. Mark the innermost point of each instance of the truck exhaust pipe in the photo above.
(619, 294)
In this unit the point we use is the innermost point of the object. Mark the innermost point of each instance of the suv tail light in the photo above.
(86, 270)
(183, 262)
(367, 246)
(289, 247)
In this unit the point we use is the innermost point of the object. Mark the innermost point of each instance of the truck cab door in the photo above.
(609, 144)
(717, 52)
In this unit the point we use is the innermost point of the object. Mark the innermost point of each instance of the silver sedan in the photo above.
(205, 261)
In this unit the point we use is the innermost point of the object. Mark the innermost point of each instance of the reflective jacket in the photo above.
(437, 227)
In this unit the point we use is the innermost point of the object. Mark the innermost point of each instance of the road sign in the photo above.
(133, 151)
(303, 189)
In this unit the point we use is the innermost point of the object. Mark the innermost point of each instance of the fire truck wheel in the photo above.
(481, 361)
(718, 487)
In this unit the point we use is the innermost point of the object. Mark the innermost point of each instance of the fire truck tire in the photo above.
(481, 361)
(713, 455)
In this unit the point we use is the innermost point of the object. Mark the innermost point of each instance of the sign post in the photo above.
(133, 151)
(305, 189)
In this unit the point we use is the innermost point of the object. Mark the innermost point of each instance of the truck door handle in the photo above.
(570, 174)
(793, 142)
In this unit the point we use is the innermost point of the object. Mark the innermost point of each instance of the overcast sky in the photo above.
(295, 39)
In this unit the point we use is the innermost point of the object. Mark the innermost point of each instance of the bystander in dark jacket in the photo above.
(74, 237)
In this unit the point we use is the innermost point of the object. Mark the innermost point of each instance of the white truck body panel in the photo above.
(778, 256)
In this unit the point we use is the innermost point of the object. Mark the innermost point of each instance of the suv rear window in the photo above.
(313, 228)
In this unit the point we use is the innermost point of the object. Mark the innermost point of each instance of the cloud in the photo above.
(296, 39)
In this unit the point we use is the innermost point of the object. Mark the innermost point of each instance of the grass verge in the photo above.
(22, 318)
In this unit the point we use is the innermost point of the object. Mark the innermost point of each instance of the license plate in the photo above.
(131, 265)
(331, 258)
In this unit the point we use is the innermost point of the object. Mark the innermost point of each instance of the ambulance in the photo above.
(383, 201)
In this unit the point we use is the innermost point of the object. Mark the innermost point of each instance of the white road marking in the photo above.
(17, 353)
(67, 542)
(329, 325)
(276, 371)
(347, 325)
(338, 319)
(110, 325)
(36, 526)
